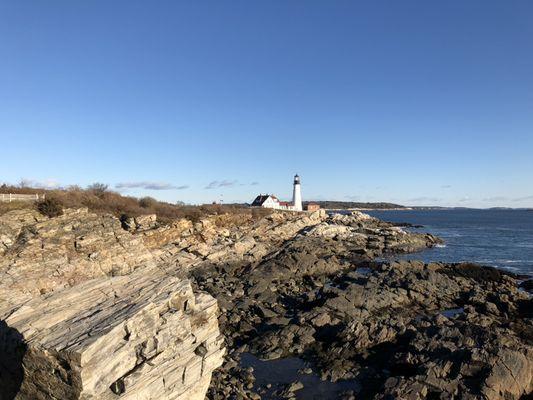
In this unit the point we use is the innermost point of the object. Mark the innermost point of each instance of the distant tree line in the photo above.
(332, 204)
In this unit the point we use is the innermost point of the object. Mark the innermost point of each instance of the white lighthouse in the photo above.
(297, 194)
(271, 201)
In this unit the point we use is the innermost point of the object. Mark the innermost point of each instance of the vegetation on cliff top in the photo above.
(50, 207)
(97, 198)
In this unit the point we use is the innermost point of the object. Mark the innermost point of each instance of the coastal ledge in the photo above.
(404, 330)
(145, 335)
(140, 299)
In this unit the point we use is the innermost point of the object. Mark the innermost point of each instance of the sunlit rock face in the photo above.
(87, 312)
(44, 255)
(135, 336)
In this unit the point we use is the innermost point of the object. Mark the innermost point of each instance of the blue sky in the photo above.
(415, 102)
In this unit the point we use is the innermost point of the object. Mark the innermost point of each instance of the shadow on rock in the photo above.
(12, 350)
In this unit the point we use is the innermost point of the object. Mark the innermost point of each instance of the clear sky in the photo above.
(415, 102)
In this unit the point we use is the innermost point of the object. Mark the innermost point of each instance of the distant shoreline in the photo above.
(370, 209)
(334, 205)
(416, 208)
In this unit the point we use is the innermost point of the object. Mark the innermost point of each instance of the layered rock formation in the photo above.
(96, 308)
(11, 225)
(88, 312)
(224, 238)
(132, 337)
(43, 255)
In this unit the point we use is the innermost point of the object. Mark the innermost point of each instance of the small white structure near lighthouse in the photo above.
(271, 201)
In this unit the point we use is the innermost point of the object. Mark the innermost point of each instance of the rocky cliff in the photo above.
(41, 255)
(96, 308)
(88, 312)
(404, 330)
(135, 336)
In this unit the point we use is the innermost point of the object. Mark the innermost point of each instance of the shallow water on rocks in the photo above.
(452, 312)
(364, 271)
(281, 372)
(449, 313)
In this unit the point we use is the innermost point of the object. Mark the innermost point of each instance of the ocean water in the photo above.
(499, 238)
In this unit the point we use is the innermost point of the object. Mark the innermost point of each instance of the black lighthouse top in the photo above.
(296, 179)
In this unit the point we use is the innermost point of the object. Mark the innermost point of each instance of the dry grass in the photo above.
(103, 202)
(15, 205)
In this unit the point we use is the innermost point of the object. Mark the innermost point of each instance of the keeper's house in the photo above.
(271, 201)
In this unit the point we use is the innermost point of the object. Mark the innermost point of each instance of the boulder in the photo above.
(245, 245)
(11, 224)
(331, 230)
(141, 336)
(145, 222)
(87, 311)
(511, 376)
(128, 223)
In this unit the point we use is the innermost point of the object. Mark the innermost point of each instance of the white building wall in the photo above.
(270, 203)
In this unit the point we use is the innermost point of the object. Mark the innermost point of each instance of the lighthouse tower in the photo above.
(297, 194)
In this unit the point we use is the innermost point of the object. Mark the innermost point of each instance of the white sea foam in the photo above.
(450, 234)
(440, 246)
(508, 268)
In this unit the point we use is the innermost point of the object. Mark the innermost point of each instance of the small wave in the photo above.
(512, 269)
(449, 234)
(440, 246)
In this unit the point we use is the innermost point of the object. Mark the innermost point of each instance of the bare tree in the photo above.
(98, 188)
(147, 202)
(24, 183)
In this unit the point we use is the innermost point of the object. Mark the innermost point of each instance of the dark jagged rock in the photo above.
(407, 225)
(402, 329)
(527, 285)
(290, 284)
